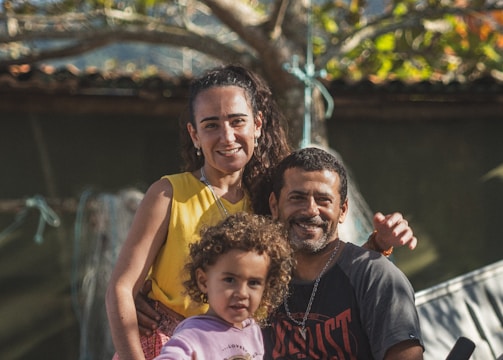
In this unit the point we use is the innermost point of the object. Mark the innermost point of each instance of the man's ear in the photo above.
(344, 211)
(202, 280)
(273, 206)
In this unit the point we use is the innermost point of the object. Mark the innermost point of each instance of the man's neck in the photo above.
(309, 265)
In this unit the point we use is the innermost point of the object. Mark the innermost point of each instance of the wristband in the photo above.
(375, 246)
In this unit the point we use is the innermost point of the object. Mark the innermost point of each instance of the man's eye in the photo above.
(297, 198)
(228, 280)
(323, 200)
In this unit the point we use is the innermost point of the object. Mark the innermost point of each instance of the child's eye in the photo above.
(254, 283)
(228, 279)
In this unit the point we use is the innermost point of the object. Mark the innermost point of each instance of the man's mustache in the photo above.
(310, 220)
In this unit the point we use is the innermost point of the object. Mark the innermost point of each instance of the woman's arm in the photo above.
(147, 234)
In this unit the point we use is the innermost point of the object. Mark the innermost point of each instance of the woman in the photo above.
(232, 138)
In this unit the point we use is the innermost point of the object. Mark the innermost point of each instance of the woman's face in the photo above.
(225, 128)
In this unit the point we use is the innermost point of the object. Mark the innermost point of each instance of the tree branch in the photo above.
(91, 40)
(278, 17)
(241, 19)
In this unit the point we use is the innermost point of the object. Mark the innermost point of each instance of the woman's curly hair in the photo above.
(246, 232)
(273, 143)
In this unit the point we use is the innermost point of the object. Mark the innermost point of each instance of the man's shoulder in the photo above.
(355, 259)
(358, 254)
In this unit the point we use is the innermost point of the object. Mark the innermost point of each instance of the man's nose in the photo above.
(312, 206)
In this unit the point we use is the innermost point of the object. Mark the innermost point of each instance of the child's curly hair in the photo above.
(247, 232)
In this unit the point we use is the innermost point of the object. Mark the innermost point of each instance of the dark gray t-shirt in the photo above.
(364, 305)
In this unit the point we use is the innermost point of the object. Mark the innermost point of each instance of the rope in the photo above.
(77, 237)
(47, 216)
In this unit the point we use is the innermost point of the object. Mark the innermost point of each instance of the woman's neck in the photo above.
(227, 186)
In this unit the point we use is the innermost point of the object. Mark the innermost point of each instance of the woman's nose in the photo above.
(228, 133)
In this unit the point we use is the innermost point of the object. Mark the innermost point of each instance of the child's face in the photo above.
(235, 285)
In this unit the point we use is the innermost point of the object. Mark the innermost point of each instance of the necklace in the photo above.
(217, 199)
(302, 324)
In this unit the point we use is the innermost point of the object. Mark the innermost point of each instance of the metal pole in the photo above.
(308, 77)
(308, 90)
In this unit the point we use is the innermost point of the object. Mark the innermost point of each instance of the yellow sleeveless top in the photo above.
(192, 207)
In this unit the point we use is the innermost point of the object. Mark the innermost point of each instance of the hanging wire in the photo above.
(77, 239)
(47, 216)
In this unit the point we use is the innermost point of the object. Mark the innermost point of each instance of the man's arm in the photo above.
(405, 350)
(148, 317)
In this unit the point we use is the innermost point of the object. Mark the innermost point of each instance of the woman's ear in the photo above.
(193, 135)
(258, 124)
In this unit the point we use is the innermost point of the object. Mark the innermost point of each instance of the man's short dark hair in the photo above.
(310, 159)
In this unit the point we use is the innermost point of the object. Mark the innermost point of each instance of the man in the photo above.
(345, 302)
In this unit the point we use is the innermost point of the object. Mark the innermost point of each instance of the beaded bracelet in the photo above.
(373, 245)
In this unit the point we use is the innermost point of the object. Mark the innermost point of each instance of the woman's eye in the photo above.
(238, 121)
(210, 125)
(228, 280)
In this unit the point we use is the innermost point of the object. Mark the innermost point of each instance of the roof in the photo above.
(48, 79)
(98, 89)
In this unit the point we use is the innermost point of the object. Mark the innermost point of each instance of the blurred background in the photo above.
(410, 94)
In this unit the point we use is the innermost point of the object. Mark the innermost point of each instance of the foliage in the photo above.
(412, 41)
(408, 40)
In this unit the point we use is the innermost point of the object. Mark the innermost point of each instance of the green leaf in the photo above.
(489, 51)
(385, 42)
(400, 9)
(329, 24)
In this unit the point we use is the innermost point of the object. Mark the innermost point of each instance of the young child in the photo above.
(241, 268)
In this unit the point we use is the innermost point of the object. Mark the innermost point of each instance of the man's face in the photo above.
(310, 206)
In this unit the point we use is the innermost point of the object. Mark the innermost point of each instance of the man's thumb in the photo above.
(379, 218)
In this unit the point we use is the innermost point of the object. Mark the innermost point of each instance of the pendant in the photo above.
(302, 331)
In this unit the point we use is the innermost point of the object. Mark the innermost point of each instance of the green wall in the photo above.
(434, 173)
(431, 171)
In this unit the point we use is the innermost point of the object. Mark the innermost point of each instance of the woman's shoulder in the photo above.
(167, 182)
(178, 179)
